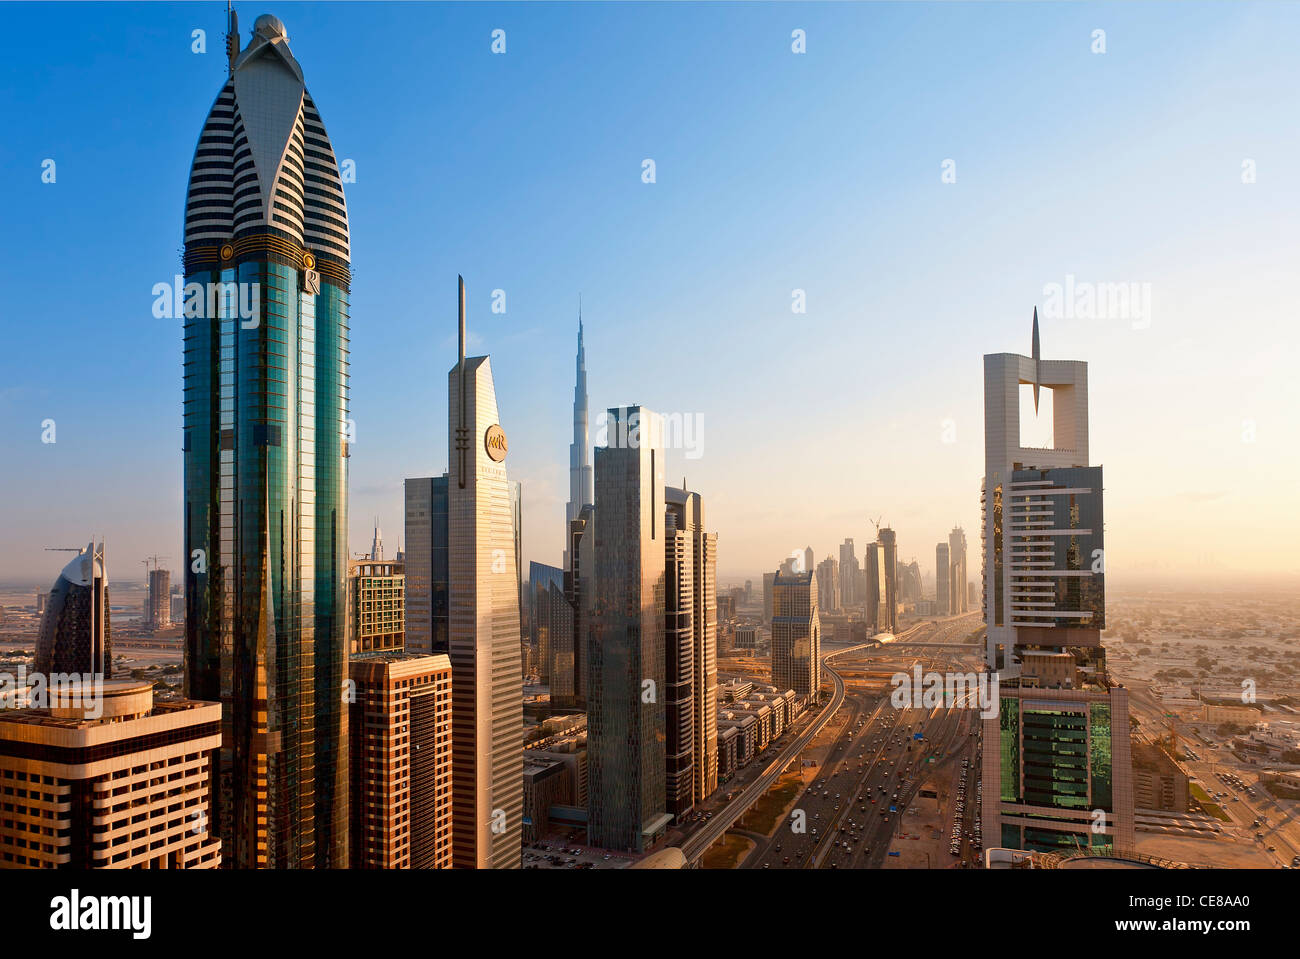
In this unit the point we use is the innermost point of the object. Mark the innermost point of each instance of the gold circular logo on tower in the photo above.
(494, 441)
(227, 251)
(308, 261)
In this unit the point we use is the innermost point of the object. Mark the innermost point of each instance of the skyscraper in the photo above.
(580, 474)
(796, 635)
(848, 575)
(400, 730)
(266, 451)
(76, 634)
(877, 597)
(889, 556)
(376, 606)
(484, 628)
(626, 656)
(377, 545)
(159, 604)
(942, 581)
(1056, 757)
(685, 515)
(579, 589)
(828, 583)
(957, 571)
(426, 564)
(546, 644)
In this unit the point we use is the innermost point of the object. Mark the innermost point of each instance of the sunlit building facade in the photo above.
(796, 635)
(1057, 766)
(626, 800)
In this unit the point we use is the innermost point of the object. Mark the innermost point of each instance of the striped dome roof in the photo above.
(263, 158)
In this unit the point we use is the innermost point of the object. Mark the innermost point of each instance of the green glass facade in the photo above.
(1055, 745)
(266, 531)
(1099, 756)
(265, 450)
(1009, 736)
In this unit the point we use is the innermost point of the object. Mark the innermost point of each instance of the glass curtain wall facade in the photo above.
(266, 327)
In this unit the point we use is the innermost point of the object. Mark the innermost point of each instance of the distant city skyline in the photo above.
(762, 189)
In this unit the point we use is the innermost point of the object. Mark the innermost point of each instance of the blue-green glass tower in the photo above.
(266, 445)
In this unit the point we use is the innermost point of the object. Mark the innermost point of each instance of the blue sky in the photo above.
(775, 172)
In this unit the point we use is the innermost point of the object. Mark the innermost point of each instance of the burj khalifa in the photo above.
(580, 476)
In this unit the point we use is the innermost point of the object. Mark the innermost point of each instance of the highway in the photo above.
(712, 830)
(771, 852)
(873, 766)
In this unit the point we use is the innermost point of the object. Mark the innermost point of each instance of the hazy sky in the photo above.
(822, 172)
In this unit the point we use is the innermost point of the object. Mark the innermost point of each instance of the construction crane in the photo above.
(876, 523)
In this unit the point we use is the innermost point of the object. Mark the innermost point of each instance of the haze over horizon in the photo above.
(1071, 168)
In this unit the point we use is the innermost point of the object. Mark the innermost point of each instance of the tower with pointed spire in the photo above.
(581, 480)
(1055, 758)
(265, 444)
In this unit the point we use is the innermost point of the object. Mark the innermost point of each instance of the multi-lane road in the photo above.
(873, 758)
(868, 779)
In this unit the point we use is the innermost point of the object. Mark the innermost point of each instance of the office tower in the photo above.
(376, 606)
(579, 590)
(796, 635)
(909, 582)
(484, 629)
(749, 592)
(266, 450)
(848, 575)
(76, 634)
(158, 606)
(768, 580)
(679, 665)
(580, 474)
(889, 558)
(746, 637)
(828, 583)
(808, 559)
(876, 595)
(686, 515)
(425, 564)
(377, 545)
(40, 603)
(625, 698)
(957, 570)
(124, 782)
(943, 601)
(517, 525)
(726, 607)
(564, 660)
(541, 638)
(399, 727)
(1058, 750)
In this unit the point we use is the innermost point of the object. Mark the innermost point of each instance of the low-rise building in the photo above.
(109, 780)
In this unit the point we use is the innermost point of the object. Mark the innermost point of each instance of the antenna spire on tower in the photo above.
(1036, 358)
